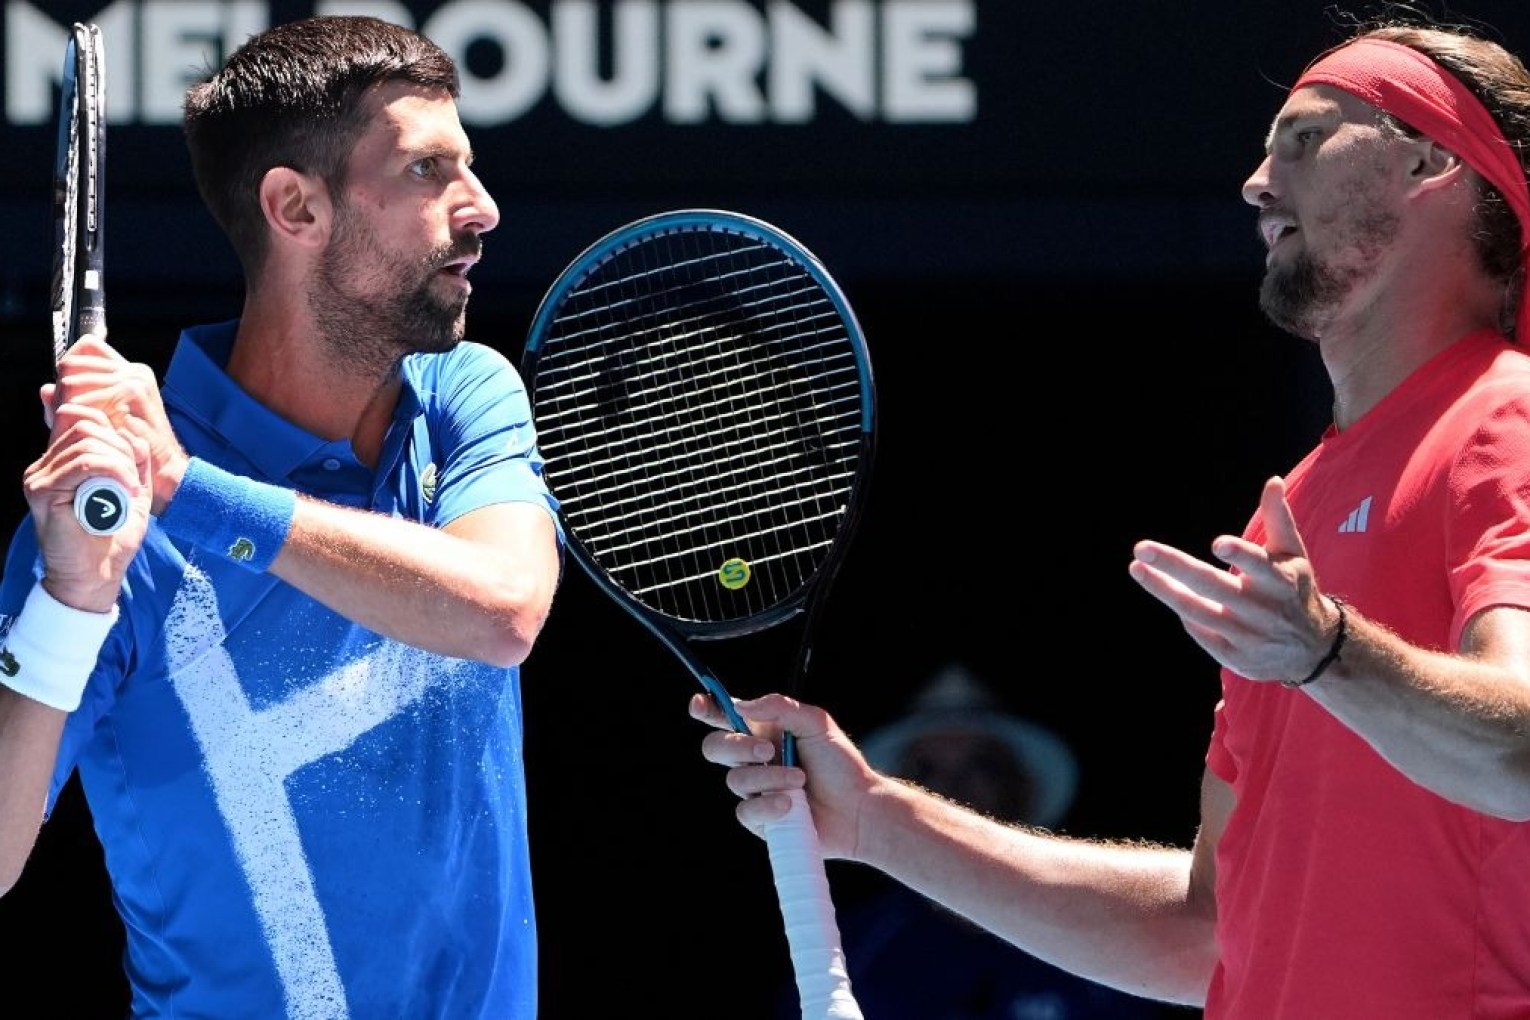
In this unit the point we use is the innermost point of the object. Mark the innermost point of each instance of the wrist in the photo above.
(167, 482)
(1336, 645)
(83, 596)
(50, 649)
(242, 520)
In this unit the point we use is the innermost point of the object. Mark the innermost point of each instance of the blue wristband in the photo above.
(238, 518)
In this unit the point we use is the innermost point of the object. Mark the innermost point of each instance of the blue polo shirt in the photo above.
(301, 817)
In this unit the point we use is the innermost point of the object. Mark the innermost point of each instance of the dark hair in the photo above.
(1501, 83)
(295, 96)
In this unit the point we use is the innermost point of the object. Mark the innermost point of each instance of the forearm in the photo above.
(480, 589)
(1122, 915)
(1458, 725)
(29, 739)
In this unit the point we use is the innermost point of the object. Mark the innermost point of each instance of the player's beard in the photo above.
(373, 305)
(1304, 295)
(1300, 296)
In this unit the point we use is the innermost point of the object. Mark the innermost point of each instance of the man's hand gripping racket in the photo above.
(79, 178)
(704, 401)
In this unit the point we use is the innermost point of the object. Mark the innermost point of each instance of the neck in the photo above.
(1370, 348)
(280, 360)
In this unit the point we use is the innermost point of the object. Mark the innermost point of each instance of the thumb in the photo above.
(46, 393)
(1281, 533)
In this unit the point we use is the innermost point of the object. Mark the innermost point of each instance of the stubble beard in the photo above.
(373, 306)
(1299, 297)
(1305, 297)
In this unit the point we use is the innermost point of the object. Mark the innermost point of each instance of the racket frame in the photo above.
(674, 631)
(79, 180)
(796, 859)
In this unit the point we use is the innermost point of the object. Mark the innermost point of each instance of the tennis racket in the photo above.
(704, 404)
(79, 174)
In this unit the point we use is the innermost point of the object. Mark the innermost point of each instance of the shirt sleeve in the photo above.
(1488, 534)
(480, 414)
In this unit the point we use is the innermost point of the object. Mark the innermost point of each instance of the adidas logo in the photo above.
(1356, 521)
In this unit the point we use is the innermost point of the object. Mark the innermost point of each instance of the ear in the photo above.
(1434, 166)
(296, 205)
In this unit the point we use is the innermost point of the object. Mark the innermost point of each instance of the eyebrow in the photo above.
(1286, 120)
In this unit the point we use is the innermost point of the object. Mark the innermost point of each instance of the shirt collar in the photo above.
(198, 386)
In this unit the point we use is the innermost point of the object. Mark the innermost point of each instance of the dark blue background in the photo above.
(1060, 300)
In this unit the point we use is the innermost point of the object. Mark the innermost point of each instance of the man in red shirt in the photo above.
(1363, 848)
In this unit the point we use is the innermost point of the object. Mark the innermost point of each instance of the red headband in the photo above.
(1404, 82)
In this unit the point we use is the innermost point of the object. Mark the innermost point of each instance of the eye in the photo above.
(428, 168)
(1296, 141)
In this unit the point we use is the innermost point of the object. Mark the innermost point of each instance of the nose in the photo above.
(477, 213)
(1256, 190)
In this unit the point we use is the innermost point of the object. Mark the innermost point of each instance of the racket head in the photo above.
(705, 405)
(79, 177)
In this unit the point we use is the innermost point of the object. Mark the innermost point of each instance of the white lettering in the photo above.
(689, 61)
(119, 21)
(384, 9)
(523, 42)
(34, 61)
(182, 43)
(921, 59)
(633, 86)
(805, 55)
(717, 50)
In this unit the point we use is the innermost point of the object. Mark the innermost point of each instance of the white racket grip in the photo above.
(812, 933)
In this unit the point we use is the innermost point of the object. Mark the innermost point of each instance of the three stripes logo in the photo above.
(1356, 522)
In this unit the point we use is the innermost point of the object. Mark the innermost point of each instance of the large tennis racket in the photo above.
(79, 176)
(704, 401)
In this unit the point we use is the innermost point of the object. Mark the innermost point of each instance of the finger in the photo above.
(143, 454)
(756, 813)
(1243, 556)
(74, 422)
(705, 708)
(726, 747)
(46, 393)
(85, 445)
(91, 384)
(1283, 537)
(79, 464)
(92, 344)
(761, 780)
(1204, 618)
(1171, 575)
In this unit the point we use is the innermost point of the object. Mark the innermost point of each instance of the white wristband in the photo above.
(50, 650)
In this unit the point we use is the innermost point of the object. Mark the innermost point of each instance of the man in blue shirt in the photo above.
(290, 683)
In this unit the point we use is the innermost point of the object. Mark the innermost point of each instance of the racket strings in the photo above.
(699, 401)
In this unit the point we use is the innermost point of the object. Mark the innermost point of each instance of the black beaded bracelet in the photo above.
(1333, 649)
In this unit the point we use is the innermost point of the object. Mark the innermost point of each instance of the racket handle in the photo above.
(101, 505)
(812, 933)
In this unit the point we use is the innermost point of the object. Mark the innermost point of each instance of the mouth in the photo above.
(460, 266)
(1275, 229)
(456, 271)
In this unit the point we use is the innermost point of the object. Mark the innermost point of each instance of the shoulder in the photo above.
(466, 358)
